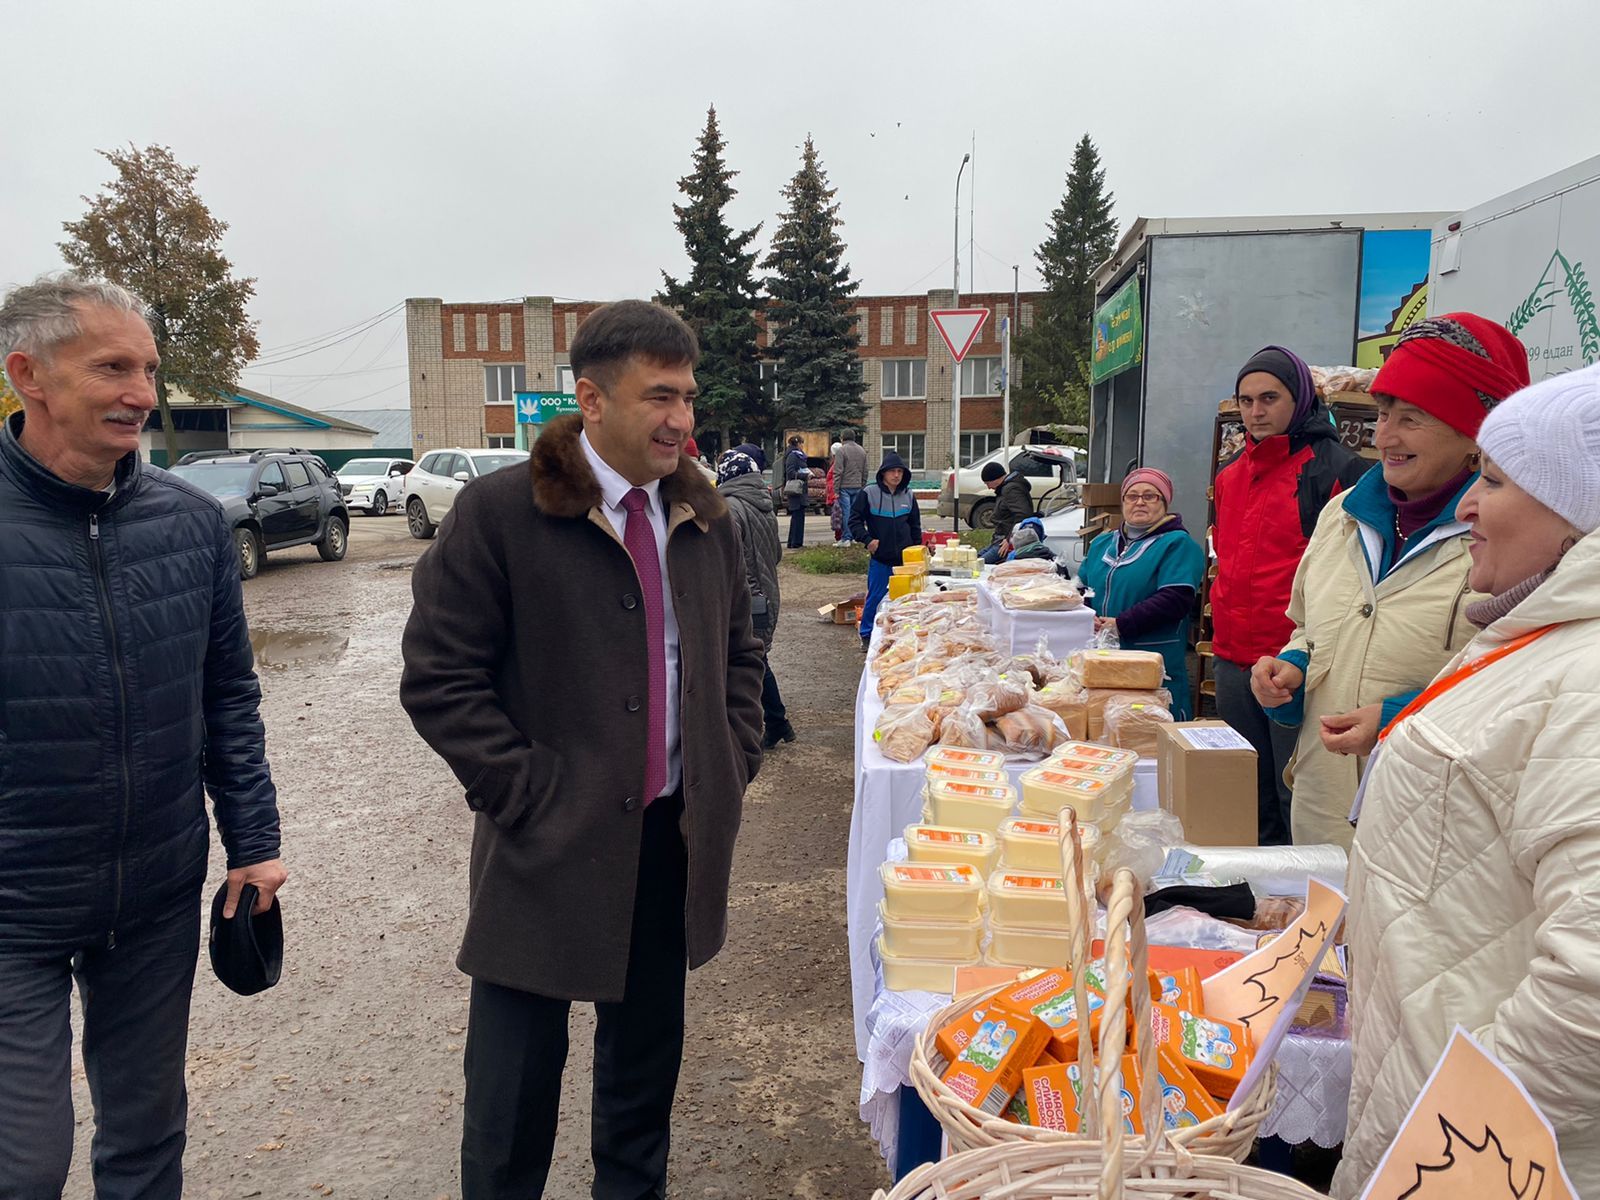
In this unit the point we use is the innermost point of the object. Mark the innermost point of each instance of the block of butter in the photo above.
(1095, 752)
(1184, 1101)
(1218, 1052)
(1024, 900)
(913, 554)
(942, 759)
(952, 1039)
(949, 891)
(970, 805)
(1180, 988)
(988, 1072)
(1051, 1093)
(1046, 791)
(1123, 670)
(948, 844)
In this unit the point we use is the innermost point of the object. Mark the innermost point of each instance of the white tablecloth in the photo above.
(1019, 631)
(886, 801)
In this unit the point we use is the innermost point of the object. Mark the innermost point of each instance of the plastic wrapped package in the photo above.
(1328, 380)
(1069, 703)
(999, 695)
(1192, 928)
(1100, 697)
(1134, 725)
(1274, 870)
(903, 734)
(963, 727)
(1048, 593)
(1018, 568)
(1030, 730)
(1124, 670)
(1276, 912)
(1140, 843)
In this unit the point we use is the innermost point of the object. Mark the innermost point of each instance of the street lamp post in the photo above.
(955, 367)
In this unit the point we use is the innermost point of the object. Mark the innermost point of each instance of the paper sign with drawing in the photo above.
(1263, 991)
(1473, 1134)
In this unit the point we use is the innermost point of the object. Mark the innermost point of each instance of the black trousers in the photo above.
(797, 527)
(1274, 745)
(517, 1050)
(135, 1035)
(772, 707)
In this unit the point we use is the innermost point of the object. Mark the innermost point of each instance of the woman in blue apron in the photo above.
(1144, 576)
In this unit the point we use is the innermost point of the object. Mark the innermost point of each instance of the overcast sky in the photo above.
(367, 152)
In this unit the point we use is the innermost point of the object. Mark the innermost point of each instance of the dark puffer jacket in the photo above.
(127, 689)
(887, 517)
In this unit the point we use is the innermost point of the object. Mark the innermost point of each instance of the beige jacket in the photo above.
(1365, 642)
(1475, 882)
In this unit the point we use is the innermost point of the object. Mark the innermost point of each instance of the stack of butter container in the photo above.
(1096, 781)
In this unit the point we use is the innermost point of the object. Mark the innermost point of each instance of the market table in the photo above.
(1019, 630)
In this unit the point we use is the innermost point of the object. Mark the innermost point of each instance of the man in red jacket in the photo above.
(1267, 502)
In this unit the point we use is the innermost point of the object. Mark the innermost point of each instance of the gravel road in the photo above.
(346, 1078)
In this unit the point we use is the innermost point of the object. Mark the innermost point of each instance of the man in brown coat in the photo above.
(580, 654)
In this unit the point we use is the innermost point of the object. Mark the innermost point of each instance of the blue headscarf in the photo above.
(733, 464)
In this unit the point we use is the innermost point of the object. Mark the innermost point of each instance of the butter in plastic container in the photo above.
(940, 891)
(988, 1072)
(970, 805)
(1095, 752)
(948, 844)
(1118, 775)
(1028, 900)
(969, 775)
(957, 757)
(920, 974)
(1023, 947)
(1046, 791)
(922, 938)
(1031, 843)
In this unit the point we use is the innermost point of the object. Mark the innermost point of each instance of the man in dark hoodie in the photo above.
(1013, 503)
(1267, 500)
(884, 518)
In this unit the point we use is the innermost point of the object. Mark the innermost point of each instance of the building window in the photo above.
(482, 325)
(980, 377)
(566, 382)
(458, 332)
(978, 445)
(905, 378)
(886, 326)
(496, 441)
(501, 382)
(912, 447)
(769, 378)
(505, 331)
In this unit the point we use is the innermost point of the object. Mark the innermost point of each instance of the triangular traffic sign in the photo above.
(959, 327)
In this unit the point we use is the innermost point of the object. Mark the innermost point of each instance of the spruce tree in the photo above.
(718, 297)
(820, 381)
(1053, 379)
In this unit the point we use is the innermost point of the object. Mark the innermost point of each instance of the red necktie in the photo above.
(640, 538)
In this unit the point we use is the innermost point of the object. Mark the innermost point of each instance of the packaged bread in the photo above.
(1018, 568)
(963, 728)
(949, 891)
(1048, 593)
(998, 695)
(1068, 702)
(1123, 670)
(1135, 725)
(903, 733)
(1030, 730)
(1217, 1052)
(988, 1071)
(948, 843)
(1100, 697)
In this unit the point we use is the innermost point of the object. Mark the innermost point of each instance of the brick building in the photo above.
(467, 361)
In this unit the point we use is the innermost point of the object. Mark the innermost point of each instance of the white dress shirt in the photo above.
(613, 488)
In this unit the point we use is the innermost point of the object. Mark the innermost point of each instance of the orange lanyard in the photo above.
(1440, 686)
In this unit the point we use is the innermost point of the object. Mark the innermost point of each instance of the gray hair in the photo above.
(37, 317)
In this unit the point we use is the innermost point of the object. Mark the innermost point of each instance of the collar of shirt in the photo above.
(613, 487)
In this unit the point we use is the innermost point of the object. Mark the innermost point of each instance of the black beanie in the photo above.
(992, 471)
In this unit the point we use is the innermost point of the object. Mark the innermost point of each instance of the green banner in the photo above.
(1118, 333)
(535, 408)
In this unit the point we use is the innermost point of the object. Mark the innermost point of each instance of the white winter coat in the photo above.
(1475, 882)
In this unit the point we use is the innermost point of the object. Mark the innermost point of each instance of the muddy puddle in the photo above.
(290, 647)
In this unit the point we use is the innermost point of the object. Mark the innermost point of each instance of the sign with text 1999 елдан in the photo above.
(535, 408)
(1118, 333)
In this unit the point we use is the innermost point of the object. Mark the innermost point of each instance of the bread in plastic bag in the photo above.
(999, 695)
(1135, 724)
(1030, 730)
(963, 727)
(903, 734)
(1125, 670)
(1049, 593)
(1070, 703)
(1018, 568)
(1100, 697)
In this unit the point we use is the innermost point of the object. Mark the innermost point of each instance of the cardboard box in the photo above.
(1206, 774)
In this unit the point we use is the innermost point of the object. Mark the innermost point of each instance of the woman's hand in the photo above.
(1274, 681)
(1103, 623)
(1354, 732)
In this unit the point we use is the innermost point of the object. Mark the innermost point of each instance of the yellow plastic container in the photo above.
(1046, 791)
(1033, 844)
(1027, 900)
(940, 758)
(1095, 752)
(936, 891)
(1022, 947)
(921, 974)
(945, 844)
(1117, 776)
(964, 775)
(970, 805)
(957, 941)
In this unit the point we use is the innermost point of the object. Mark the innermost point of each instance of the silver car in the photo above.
(375, 485)
(432, 486)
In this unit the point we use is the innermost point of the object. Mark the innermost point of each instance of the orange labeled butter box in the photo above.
(1180, 988)
(988, 1071)
(950, 1041)
(1184, 1100)
(1050, 998)
(1217, 1052)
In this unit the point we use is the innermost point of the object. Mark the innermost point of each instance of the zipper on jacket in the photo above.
(1450, 626)
(125, 753)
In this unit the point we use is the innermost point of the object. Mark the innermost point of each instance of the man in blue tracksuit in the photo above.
(884, 518)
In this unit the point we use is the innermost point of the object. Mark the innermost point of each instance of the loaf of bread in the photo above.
(1098, 698)
(1125, 670)
(1030, 730)
(903, 733)
(1133, 724)
(1070, 703)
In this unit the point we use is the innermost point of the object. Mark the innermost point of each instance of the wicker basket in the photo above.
(1158, 1168)
(968, 1128)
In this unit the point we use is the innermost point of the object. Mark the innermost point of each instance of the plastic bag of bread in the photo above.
(1046, 593)
(898, 648)
(1070, 703)
(1099, 698)
(964, 728)
(999, 694)
(1031, 730)
(1020, 567)
(1133, 724)
(1125, 670)
(904, 733)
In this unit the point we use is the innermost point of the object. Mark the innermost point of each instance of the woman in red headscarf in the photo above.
(1380, 598)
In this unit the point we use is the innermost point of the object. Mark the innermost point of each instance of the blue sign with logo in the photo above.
(535, 408)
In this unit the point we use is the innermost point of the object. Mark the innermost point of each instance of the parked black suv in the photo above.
(274, 500)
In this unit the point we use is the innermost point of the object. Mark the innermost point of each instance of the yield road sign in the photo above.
(959, 328)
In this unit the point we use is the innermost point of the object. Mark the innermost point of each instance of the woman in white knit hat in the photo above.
(1475, 875)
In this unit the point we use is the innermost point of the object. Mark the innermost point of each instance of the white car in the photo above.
(375, 485)
(432, 485)
(976, 499)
